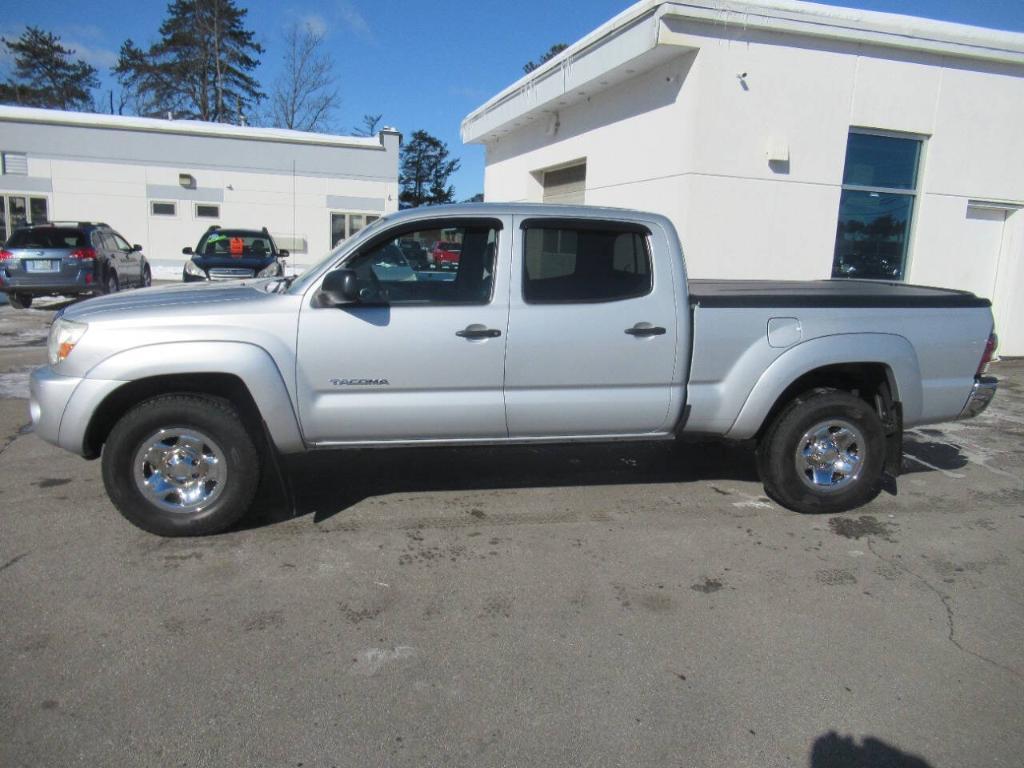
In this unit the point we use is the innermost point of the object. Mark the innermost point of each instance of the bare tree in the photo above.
(368, 127)
(306, 94)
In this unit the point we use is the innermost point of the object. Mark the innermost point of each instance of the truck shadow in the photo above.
(831, 750)
(326, 484)
(921, 454)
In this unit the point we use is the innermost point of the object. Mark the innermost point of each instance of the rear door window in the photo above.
(565, 264)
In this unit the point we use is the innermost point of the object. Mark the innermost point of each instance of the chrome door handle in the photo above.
(646, 329)
(477, 331)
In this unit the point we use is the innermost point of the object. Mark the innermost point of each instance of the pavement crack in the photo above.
(13, 560)
(947, 606)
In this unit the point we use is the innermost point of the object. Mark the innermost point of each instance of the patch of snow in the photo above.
(370, 661)
(14, 384)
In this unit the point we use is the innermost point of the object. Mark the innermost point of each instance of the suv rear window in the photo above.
(47, 237)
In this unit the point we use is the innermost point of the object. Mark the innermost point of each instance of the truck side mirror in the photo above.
(340, 286)
(187, 250)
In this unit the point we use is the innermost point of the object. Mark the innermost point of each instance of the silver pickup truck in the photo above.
(554, 324)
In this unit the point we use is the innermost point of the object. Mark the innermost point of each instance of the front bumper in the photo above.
(982, 392)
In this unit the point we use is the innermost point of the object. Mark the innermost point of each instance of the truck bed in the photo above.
(826, 293)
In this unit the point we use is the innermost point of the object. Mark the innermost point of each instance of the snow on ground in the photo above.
(14, 384)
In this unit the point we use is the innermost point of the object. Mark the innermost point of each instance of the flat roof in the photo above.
(184, 127)
(600, 58)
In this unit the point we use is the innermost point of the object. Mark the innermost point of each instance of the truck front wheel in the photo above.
(181, 465)
(823, 453)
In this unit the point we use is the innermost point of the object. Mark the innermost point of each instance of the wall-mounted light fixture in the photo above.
(187, 180)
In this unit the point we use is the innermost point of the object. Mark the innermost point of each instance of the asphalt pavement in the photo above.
(616, 605)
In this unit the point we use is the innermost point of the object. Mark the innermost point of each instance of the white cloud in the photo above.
(315, 23)
(354, 20)
(101, 58)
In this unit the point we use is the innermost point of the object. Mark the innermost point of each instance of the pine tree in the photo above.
(45, 74)
(199, 69)
(425, 172)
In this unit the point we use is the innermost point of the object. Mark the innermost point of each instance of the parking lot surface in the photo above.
(622, 605)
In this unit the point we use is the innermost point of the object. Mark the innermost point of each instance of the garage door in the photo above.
(566, 185)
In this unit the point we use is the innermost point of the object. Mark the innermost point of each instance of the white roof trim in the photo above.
(791, 16)
(183, 127)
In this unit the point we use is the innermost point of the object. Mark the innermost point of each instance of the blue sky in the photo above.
(421, 64)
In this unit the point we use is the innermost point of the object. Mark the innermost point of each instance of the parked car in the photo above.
(69, 259)
(445, 255)
(581, 327)
(233, 254)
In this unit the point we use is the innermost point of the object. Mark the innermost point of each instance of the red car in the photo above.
(445, 255)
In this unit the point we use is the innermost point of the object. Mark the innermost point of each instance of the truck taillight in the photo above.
(990, 349)
(83, 254)
(5, 255)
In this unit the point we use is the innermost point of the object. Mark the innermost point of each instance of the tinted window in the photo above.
(164, 209)
(871, 240)
(399, 271)
(881, 161)
(876, 207)
(47, 237)
(568, 265)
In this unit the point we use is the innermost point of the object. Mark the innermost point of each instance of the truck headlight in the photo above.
(191, 268)
(64, 335)
(273, 269)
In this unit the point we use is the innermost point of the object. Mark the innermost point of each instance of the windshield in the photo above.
(48, 237)
(302, 282)
(228, 243)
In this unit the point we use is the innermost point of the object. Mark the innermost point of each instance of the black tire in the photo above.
(213, 418)
(777, 460)
(147, 276)
(111, 285)
(20, 300)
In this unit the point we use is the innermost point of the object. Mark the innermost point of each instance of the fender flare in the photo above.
(895, 352)
(252, 364)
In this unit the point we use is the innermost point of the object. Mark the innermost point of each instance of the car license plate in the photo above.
(42, 265)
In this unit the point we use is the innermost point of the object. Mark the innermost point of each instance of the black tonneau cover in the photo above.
(825, 293)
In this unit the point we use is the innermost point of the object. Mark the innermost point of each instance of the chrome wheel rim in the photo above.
(830, 455)
(180, 469)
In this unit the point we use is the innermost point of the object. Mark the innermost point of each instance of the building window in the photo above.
(15, 164)
(206, 211)
(876, 206)
(566, 185)
(13, 213)
(38, 208)
(163, 209)
(344, 225)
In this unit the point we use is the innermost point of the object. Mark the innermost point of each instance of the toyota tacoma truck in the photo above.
(560, 324)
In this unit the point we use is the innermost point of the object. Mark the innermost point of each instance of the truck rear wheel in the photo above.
(824, 453)
(181, 465)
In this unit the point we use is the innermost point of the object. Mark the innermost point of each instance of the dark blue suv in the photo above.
(68, 259)
(233, 254)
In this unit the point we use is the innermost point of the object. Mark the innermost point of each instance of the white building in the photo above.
(786, 140)
(162, 183)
